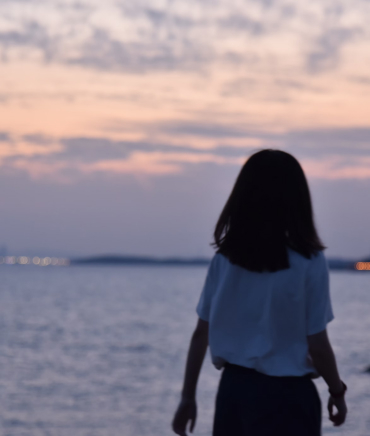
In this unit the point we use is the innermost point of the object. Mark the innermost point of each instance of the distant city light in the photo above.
(36, 260)
(23, 260)
(363, 266)
(45, 261)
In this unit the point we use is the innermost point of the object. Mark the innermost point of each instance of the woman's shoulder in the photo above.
(218, 260)
(220, 265)
(317, 259)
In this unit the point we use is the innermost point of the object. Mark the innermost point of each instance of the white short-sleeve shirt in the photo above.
(262, 320)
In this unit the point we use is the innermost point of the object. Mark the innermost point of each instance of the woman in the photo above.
(264, 310)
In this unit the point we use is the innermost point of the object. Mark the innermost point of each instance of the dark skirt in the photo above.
(253, 404)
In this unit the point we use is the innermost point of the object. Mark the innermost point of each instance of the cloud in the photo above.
(327, 49)
(204, 129)
(37, 138)
(90, 149)
(32, 34)
(82, 40)
(102, 51)
(4, 137)
(330, 141)
(145, 36)
(325, 153)
(338, 168)
(243, 23)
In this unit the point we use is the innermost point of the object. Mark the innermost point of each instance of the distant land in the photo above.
(334, 263)
(139, 260)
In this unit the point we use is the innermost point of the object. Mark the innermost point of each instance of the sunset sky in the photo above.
(123, 124)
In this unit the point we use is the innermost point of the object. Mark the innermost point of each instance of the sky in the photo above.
(123, 125)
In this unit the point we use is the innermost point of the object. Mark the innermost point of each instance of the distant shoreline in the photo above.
(122, 260)
(140, 260)
(334, 264)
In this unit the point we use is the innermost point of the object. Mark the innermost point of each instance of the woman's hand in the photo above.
(187, 411)
(341, 407)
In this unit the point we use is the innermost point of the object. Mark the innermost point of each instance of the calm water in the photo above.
(100, 351)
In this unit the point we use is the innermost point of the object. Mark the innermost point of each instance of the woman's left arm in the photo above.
(187, 409)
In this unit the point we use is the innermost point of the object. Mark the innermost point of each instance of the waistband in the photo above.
(254, 372)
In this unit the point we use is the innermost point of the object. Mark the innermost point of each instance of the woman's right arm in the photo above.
(323, 359)
(187, 409)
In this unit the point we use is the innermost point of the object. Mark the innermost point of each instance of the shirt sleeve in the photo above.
(319, 310)
(204, 304)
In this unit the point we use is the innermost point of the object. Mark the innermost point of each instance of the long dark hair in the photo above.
(269, 210)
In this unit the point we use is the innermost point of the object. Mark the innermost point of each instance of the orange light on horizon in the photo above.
(363, 266)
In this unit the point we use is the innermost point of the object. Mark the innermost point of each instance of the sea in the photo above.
(100, 350)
